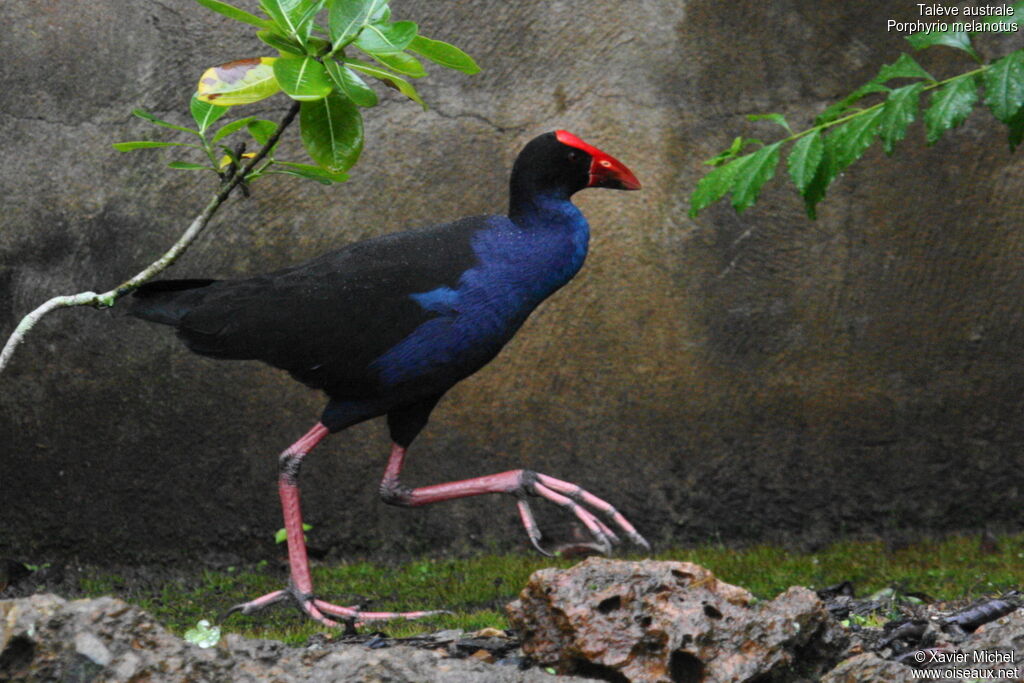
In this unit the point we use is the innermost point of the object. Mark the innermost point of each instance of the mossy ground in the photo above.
(476, 589)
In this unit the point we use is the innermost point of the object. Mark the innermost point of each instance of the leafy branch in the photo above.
(327, 91)
(107, 299)
(844, 132)
(312, 68)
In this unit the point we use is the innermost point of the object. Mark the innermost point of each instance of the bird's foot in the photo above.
(323, 611)
(579, 501)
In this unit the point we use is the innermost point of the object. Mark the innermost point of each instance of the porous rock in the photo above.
(1000, 641)
(993, 650)
(868, 667)
(46, 638)
(669, 621)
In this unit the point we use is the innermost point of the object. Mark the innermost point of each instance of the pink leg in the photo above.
(300, 587)
(519, 483)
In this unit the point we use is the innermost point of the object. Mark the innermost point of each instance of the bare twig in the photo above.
(107, 299)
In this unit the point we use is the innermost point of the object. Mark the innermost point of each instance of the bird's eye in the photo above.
(574, 155)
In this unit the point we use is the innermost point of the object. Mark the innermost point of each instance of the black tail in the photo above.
(167, 301)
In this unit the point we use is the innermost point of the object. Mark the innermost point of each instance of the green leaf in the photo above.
(230, 128)
(203, 634)
(349, 82)
(347, 18)
(307, 171)
(716, 184)
(261, 130)
(1007, 19)
(317, 46)
(303, 78)
(738, 145)
(826, 173)
(381, 15)
(852, 139)
(147, 144)
(841, 107)
(950, 106)
(1017, 17)
(956, 39)
(866, 89)
(904, 67)
(444, 54)
(205, 113)
(188, 166)
(281, 535)
(805, 158)
(233, 12)
(753, 175)
(286, 46)
(401, 62)
(332, 132)
(398, 83)
(775, 118)
(899, 111)
(146, 116)
(390, 38)
(1016, 125)
(285, 14)
(730, 153)
(1004, 86)
(306, 19)
(240, 82)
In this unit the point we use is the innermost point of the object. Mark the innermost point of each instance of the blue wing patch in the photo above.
(442, 300)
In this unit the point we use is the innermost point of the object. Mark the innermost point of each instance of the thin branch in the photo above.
(107, 299)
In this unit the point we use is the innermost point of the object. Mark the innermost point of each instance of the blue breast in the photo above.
(519, 265)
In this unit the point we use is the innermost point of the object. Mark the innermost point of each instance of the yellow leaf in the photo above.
(225, 160)
(240, 82)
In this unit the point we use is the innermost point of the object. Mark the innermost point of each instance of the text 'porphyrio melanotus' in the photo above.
(387, 326)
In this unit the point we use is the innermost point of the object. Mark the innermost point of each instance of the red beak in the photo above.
(605, 170)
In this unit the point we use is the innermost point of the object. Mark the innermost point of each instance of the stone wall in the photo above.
(748, 377)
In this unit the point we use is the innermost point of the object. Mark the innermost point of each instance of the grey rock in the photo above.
(995, 650)
(45, 637)
(88, 645)
(669, 621)
(868, 667)
(996, 647)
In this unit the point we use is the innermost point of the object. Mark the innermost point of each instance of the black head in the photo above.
(560, 163)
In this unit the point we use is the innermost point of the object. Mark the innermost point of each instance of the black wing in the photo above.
(326, 320)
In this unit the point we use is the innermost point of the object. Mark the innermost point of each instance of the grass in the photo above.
(477, 588)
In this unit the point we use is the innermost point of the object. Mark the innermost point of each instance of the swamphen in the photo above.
(388, 325)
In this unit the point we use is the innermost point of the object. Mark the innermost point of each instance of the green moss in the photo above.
(476, 588)
(100, 584)
(949, 569)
